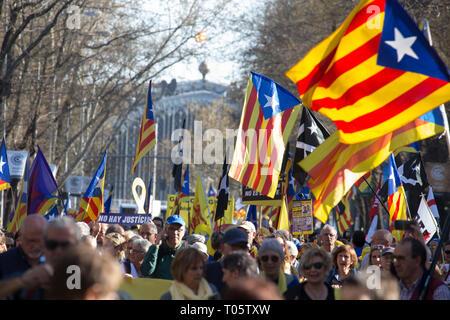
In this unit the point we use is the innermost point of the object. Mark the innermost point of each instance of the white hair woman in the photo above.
(271, 255)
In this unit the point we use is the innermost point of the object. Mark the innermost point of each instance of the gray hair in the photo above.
(143, 243)
(271, 244)
(63, 222)
(293, 251)
(84, 228)
(193, 238)
(242, 261)
(153, 228)
(328, 226)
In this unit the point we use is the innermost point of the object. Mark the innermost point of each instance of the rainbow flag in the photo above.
(375, 74)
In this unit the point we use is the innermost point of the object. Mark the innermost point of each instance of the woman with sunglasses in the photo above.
(314, 266)
(271, 257)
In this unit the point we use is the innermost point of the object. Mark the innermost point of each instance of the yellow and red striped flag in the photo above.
(147, 134)
(334, 167)
(374, 74)
(396, 198)
(267, 119)
(91, 204)
(343, 215)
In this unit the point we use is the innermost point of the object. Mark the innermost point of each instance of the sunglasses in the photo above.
(52, 244)
(274, 259)
(447, 251)
(317, 266)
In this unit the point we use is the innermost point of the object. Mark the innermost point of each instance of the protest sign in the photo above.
(124, 218)
(302, 219)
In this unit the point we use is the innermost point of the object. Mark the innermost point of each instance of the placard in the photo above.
(302, 218)
(16, 163)
(250, 196)
(124, 218)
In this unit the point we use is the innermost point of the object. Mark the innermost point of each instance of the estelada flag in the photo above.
(91, 204)
(147, 134)
(376, 73)
(267, 119)
(5, 179)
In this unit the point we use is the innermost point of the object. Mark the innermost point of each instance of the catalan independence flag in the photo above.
(147, 135)
(20, 211)
(91, 204)
(376, 73)
(396, 198)
(267, 119)
(344, 217)
(334, 167)
(5, 179)
(41, 186)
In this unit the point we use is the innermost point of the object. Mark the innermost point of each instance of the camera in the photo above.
(402, 224)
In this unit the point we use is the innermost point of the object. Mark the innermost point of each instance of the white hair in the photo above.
(63, 222)
(143, 243)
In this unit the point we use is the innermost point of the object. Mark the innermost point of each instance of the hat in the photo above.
(247, 225)
(175, 219)
(234, 236)
(193, 238)
(387, 250)
(298, 244)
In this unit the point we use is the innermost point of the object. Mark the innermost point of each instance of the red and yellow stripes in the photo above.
(147, 134)
(90, 208)
(260, 145)
(340, 78)
(334, 167)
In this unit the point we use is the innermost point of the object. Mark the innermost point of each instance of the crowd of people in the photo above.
(65, 259)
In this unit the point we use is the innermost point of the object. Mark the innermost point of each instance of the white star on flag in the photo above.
(271, 102)
(2, 163)
(314, 128)
(402, 45)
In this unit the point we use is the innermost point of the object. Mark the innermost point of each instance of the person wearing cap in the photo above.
(250, 230)
(234, 239)
(158, 259)
(387, 256)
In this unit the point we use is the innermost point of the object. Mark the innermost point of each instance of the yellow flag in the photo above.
(200, 212)
(283, 221)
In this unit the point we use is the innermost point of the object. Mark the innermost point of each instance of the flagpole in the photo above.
(154, 166)
(376, 195)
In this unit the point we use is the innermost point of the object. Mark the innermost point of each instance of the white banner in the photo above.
(16, 163)
(426, 221)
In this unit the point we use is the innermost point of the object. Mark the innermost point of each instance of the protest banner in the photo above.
(250, 196)
(124, 218)
(302, 219)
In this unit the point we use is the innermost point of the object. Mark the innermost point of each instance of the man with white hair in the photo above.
(328, 238)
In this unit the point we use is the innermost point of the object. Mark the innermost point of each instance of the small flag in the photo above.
(147, 135)
(222, 192)
(426, 221)
(396, 198)
(311, 134)
(252, 215)
(211, 192)
(178, 164)
(21, 210)
(108, 201)
(200, 36)
(200, 208)
(91, 204)
(41, 186)
(5, 179)
(432, 203)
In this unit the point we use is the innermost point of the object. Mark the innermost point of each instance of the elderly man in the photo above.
(39, 236)
(149, 231)
(328, 238)
(249, 228)
(158, 259)
(410, 257)
(379, 238)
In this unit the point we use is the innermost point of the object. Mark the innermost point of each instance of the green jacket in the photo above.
(157, 261)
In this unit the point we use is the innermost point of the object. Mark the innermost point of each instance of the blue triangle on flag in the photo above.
(403, 46)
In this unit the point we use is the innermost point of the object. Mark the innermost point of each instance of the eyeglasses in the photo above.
(136, 251)
(317, 266)
(274, 259)
(53, 244)
(147, 233)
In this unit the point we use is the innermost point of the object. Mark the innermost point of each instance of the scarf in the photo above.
(180, 291)
(282, 287)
